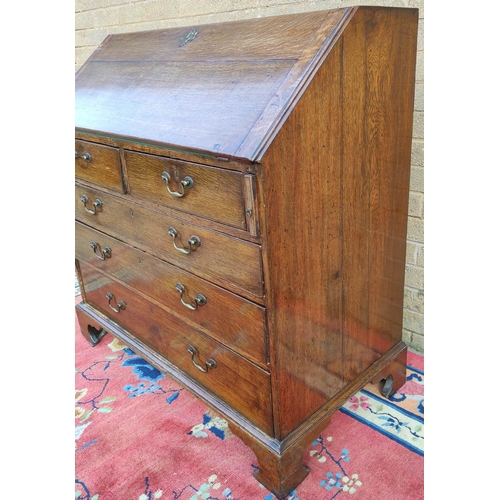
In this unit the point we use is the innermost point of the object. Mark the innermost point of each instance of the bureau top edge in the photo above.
(166, 150)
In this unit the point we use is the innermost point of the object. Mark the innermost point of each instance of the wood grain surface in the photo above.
(234, 380)
(216, 194)
(171, 87)
(104, 167)
(335, 187)
(302, 251)
(378, 89)
(229, 318)
(229, 262)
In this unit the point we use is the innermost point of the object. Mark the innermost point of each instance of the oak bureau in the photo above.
(241, 209)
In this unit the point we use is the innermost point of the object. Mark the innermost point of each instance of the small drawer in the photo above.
(227, 261)
(239, 383)
(98, 164)
(230, 319)
(208, 192)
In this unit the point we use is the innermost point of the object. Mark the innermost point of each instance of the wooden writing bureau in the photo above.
(241, 207)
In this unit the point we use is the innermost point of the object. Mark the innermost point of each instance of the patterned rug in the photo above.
(140, 436)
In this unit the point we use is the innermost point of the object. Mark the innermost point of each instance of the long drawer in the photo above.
(230, 262)
(233, 320)
(209, 192)
(239, 383)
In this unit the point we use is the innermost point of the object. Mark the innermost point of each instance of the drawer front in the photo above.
(232, 320)
(98, 164)
(239, 383)
(208, 192)
(230, 262)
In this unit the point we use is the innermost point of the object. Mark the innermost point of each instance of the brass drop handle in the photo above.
(84, 156)
(97, 205)
(199, 300)
(101, 254)
(209, 363)
(119, 306)
(193, 243)
(186, 183)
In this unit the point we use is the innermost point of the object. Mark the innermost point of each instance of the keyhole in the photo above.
(131, 213)
(176, 173)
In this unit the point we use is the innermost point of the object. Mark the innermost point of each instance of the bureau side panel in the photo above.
(301, 190)
(379, 50)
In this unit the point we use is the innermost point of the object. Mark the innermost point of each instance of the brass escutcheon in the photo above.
(188, 37)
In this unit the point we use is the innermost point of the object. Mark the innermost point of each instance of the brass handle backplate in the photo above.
(119, 305)
(186, 183)
(193, 242)
(199, 300)
(97, 205)
(83, 156)
(209, 363)
(101, 254)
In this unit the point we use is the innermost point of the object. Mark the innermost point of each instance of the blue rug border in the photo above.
(393, 405)
(402, 442)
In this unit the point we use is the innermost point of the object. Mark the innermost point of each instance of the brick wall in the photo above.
(94, 19)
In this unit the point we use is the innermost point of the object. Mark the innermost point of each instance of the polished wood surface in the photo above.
(245, 233)
(303, 252)
(154, 88)
(171, 338)
(102, 165)
(204, 158)
(229, 318)
(296, 131)
(260, 40)
(216, 194)
(376, 152)
(335, 300)
(281, 468)
(287, 95)
(221, 259)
